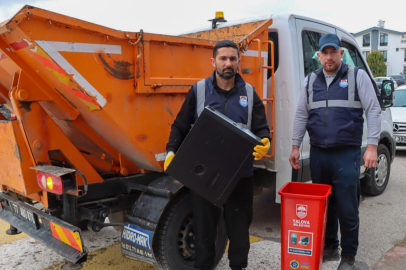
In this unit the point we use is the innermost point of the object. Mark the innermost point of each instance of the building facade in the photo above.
(392, 44)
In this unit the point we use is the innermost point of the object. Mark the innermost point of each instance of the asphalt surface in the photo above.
(382, 237)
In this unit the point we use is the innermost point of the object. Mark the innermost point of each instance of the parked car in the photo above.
(399, 117)
(379, 81)
(400, 79)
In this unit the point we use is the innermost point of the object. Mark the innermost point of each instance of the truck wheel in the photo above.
(174, 239)
(376, 179)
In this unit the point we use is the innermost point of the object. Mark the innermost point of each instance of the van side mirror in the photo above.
(386, 97)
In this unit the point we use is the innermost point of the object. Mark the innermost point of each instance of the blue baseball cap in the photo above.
(329, 40)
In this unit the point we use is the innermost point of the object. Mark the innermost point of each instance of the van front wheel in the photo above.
(376, 179)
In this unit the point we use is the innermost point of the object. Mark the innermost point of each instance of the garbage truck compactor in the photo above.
(94, 108)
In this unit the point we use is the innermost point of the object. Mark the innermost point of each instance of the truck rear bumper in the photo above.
(62, 237)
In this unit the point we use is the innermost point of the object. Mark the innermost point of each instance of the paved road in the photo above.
(383, 222)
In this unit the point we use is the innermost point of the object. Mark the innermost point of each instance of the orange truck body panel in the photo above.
(14, 152)
(100, 99)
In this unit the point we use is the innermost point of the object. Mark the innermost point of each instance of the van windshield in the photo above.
(310, 40)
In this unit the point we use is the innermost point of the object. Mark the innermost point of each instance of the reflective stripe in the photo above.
(350, 103)
(337, 103)
(68, 237)
(351, 84)
(250, 94)
(201, 98)
(310, 90)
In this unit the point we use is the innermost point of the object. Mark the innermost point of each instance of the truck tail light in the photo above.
(13, 116)
(50, 183)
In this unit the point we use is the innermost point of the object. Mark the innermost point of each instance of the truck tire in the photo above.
(174, 241)
(376, 179)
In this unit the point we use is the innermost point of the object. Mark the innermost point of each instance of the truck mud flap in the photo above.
(62, 237)
(136, 243)
(142, 221)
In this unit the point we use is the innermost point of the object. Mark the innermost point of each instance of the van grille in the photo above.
(399, 127)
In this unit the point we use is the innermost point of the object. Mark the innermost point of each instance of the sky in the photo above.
(173, 17)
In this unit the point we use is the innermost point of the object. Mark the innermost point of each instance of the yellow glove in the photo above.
(168, 159)
(261, 150)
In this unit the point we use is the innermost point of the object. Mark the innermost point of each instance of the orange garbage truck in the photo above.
(94, 108)
(91, 109)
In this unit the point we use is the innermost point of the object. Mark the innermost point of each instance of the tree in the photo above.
(376, 63)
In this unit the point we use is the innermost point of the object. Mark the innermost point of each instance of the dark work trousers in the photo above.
(238, 214)
(339, 167)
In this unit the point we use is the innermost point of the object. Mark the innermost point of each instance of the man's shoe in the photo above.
(347, 263)
(331, 254)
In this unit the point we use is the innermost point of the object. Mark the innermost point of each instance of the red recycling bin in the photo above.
(303, 224)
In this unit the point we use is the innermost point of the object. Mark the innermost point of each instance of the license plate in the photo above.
(25, 214)
(400, 139)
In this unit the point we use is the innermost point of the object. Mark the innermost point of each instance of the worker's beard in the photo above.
(332, 67)
(227, 73)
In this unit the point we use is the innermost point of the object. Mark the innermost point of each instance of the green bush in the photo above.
(376, 63)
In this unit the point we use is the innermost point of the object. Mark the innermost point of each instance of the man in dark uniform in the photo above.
(226, 91)
(331, 104)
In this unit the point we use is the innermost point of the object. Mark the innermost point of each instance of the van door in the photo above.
(308, 34)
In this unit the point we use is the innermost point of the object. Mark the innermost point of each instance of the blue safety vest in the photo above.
(335, 112)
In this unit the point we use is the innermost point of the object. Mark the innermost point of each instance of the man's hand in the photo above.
(294, 157)
(371, 156)
(168, 159)
(261, 150)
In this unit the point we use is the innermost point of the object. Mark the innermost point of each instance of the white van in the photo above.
(295, 40)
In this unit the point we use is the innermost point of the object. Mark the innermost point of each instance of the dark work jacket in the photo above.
(335, 112)
(226, 102)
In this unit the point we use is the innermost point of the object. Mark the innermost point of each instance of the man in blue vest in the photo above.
(226, 91)
(332, 102)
